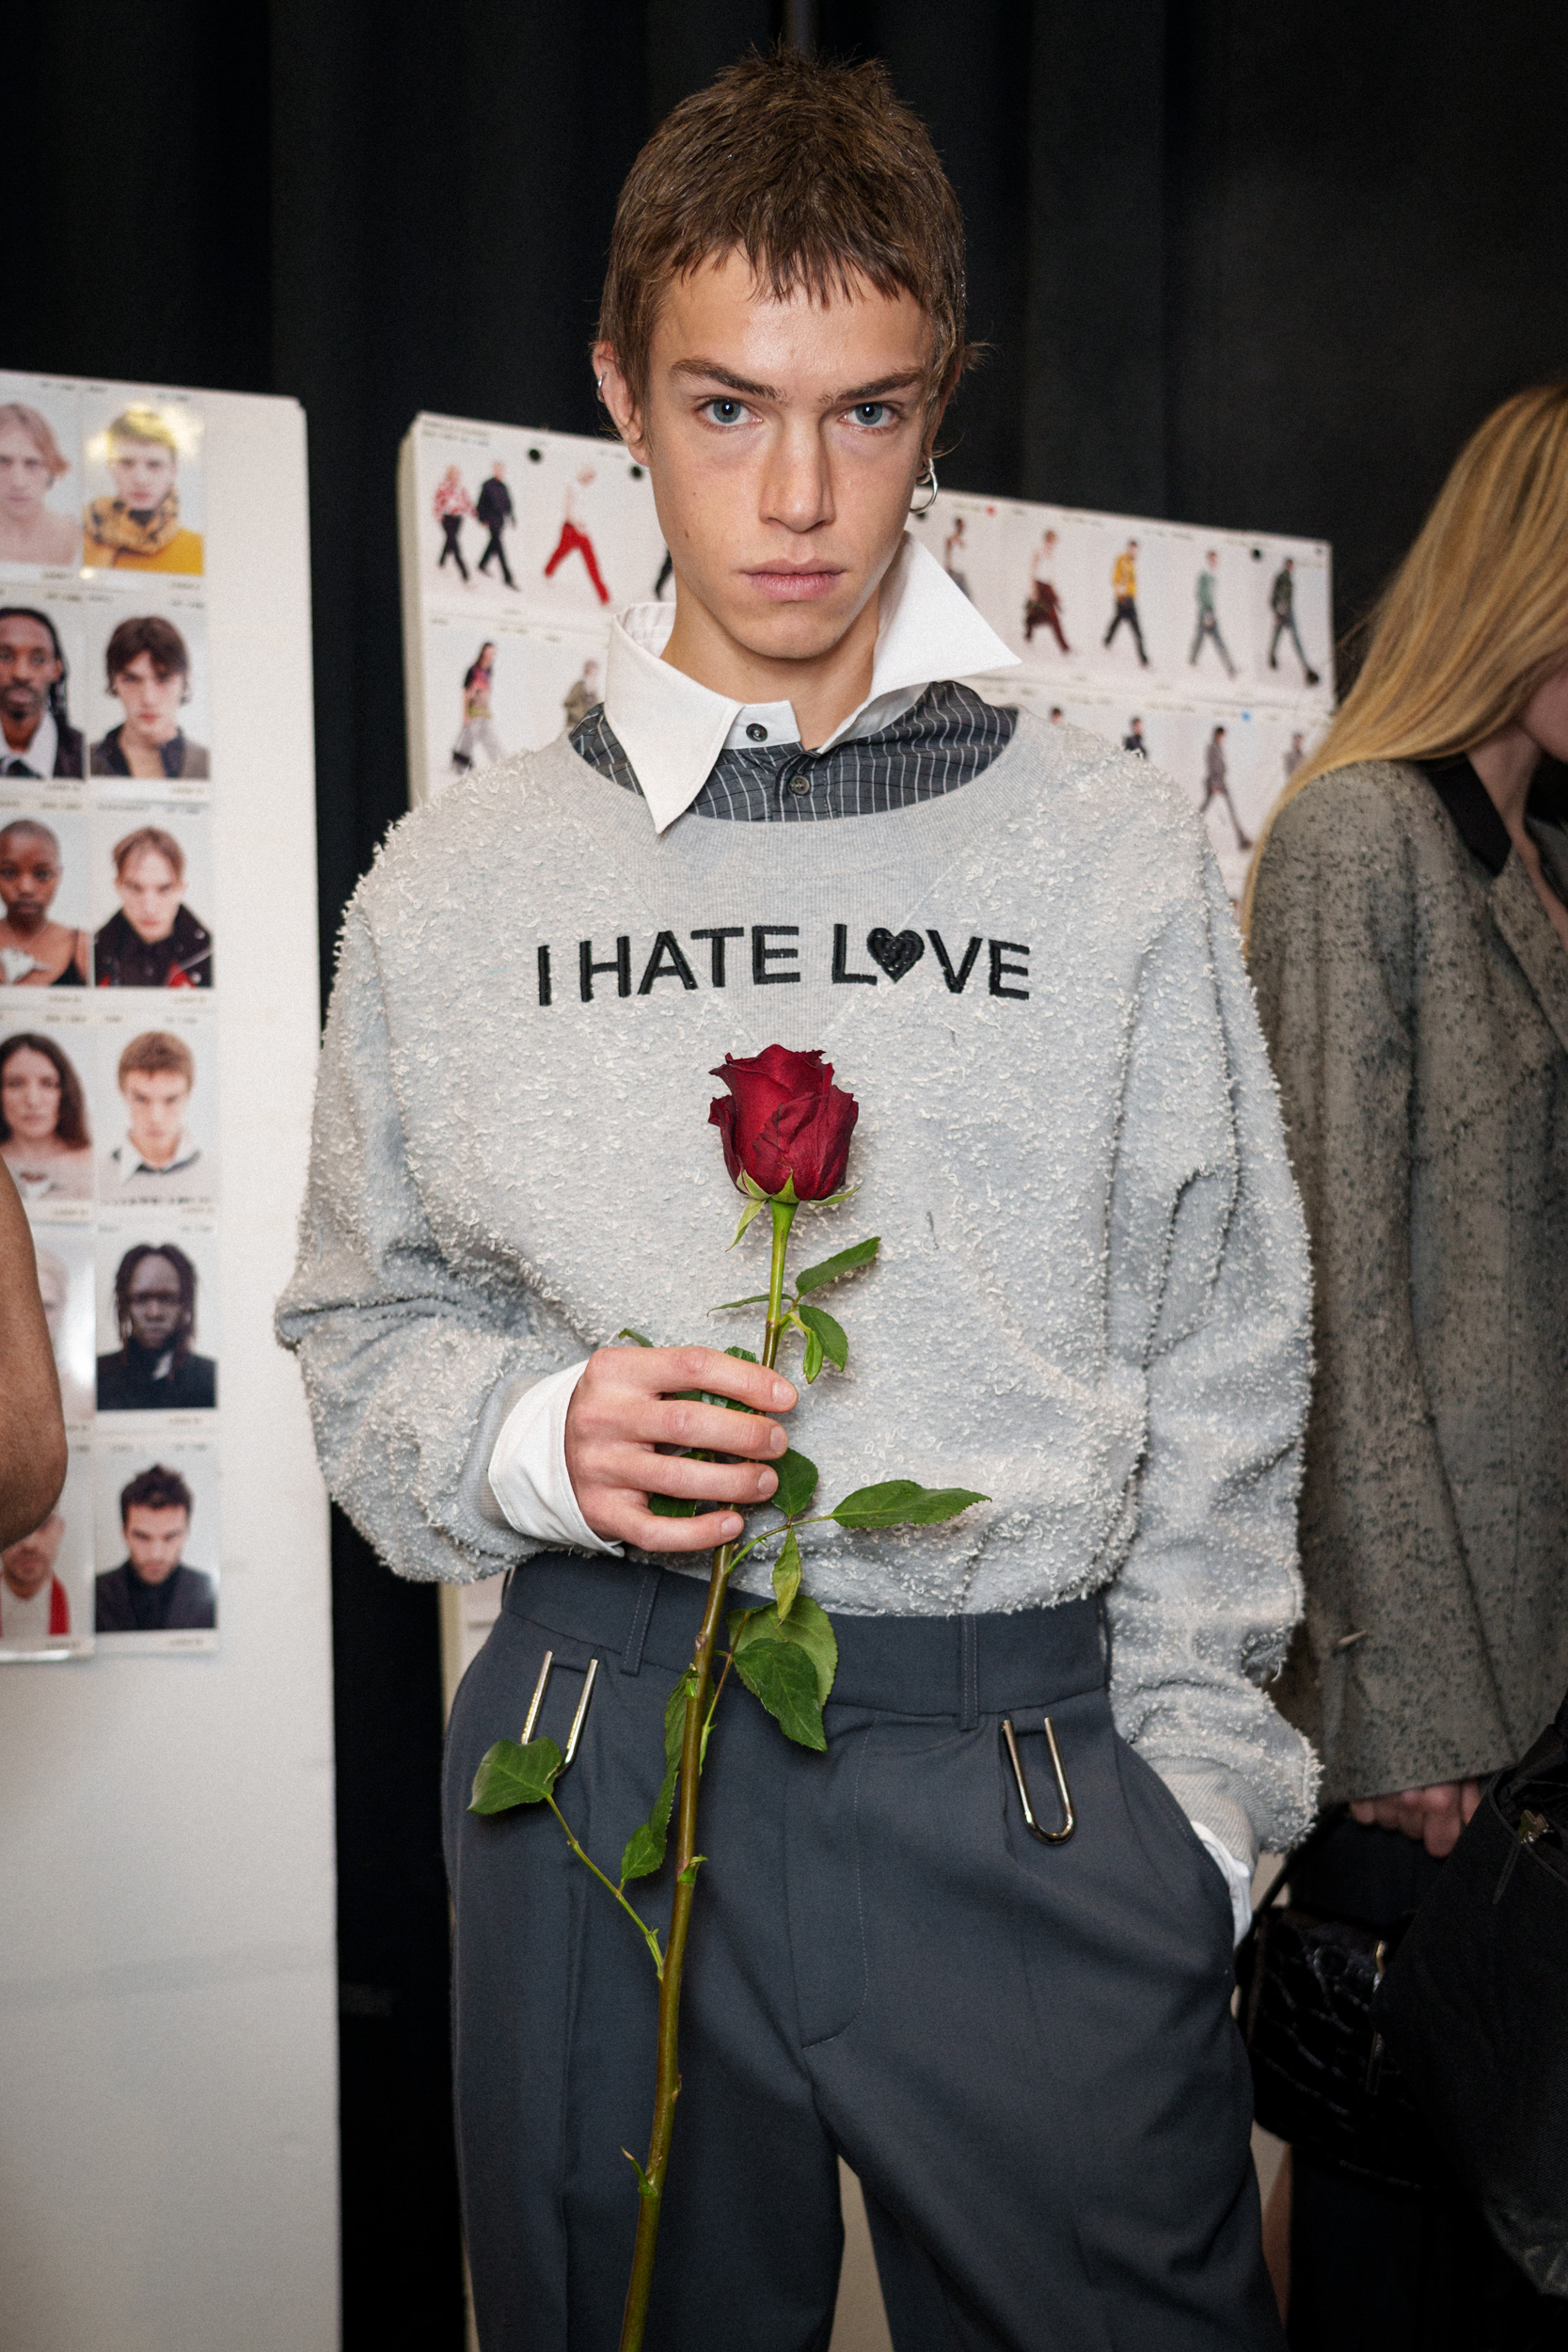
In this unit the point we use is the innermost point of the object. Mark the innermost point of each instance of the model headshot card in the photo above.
(41, 736)
(41, 475)
(157, 1316)
(154, 1108)
(143, 693)
(46, 1577)
(152, 896)
(142, 508)
(46, 894)
(46, 1137)
(65, 1258)
(155, 1513)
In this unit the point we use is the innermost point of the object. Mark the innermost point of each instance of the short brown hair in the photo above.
(818, 173)
(152, 838)
(155, 1053)
(149, 634)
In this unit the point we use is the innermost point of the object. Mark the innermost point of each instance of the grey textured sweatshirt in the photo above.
(1092, 1298)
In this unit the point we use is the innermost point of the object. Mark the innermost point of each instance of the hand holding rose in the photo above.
(629, 1401)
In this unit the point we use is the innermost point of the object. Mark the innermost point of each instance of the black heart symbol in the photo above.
(897, 952)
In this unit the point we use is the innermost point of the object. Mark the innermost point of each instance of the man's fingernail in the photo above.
(732, 1527)
(766, 1482)
(778, 1441)
(782, 1393)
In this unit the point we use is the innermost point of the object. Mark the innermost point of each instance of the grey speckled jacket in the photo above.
(1091, 1302)
(1417, 1011)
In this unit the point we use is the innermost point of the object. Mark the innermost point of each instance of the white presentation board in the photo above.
(1213, 650)
(167, 1885)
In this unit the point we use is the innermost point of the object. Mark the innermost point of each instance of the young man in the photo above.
(138, 528)
(157, 1158)
(154, 1590)
(38, 737)
(148, 667)
(1091, 1304)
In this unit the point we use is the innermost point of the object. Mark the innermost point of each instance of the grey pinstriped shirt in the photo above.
(944, 740)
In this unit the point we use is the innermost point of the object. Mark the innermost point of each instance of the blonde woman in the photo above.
(1409, 944)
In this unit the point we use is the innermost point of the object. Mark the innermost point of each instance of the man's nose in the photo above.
(798, 491)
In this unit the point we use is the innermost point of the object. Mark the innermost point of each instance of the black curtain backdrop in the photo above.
(1255, 266)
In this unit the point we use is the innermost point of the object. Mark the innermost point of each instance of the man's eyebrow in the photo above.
(710, 371)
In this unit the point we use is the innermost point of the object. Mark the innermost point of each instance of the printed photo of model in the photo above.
(154, 941)
(1282, 604)
(77, 1395)
(1124, 595)
(493, 509)
(36, 951)
(574, 539)
(1043, 606)
(157, 1158)
(137, 528)
(478, 745)
(1135, 739)
(35, 1606)
(44, 1136)
(452, 504)
(1216, 785)
(147, 668)
(582, 695)
(38, 737)
(155, 1367)
(31, 462)
(155, 1590)
(1208, 628)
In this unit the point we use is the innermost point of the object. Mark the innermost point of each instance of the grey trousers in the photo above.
(1024, 2051)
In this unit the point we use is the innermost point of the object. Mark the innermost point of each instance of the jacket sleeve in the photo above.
(410, 1363)
(1210, 1295)
(1389, 1603)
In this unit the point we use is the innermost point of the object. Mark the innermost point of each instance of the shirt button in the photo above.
(758, 735)
(801, 784)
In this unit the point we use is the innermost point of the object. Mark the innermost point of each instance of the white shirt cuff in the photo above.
(1237, 1877)
(527, 1467)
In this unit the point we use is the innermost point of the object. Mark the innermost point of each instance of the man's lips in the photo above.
(785, 583)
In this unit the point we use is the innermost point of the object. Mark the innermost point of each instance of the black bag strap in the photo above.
(1328, 1820)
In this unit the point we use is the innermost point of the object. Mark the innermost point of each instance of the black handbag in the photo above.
(1322, 2079)
(1476, 2009)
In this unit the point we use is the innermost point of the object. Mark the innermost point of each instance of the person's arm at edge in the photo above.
(32, 1431)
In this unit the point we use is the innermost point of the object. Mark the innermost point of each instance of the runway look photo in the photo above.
(785, 823)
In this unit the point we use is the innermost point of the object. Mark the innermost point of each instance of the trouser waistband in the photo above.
(637, 1616)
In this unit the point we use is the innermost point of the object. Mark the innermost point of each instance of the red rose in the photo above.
(784, 1117)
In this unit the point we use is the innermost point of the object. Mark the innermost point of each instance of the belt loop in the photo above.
(647, 1593)
(969, 1672)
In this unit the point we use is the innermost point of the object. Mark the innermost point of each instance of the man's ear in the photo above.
(619, 400)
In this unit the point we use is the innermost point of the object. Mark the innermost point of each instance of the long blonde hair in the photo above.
(1476, 615)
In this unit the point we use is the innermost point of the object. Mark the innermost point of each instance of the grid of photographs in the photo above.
(1208, 653)
(108, 1007)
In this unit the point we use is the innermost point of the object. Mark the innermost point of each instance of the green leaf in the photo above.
(645, 1847)
(510, 1775)
(673, 1506)
(747, 1355)
(753, 1207)
(757, 1298)
(807, 1625)
(626, 1332)
(811, 1363)
(782, 1675)
(786, 1576)
(741, 1626)
(900, 1503)
(830, 1336)
(797, 1484)
(845, 1261)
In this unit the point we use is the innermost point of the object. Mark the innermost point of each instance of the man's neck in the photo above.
(154, 1155)
(20, 732)
(821, 688)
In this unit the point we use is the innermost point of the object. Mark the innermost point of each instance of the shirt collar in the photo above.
(38, 758)
(673, 730)
(129, 1164)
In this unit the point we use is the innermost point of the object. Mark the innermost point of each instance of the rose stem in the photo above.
(667, 2082)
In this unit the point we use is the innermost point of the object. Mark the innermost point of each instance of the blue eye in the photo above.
(724, 411)
(871, 412)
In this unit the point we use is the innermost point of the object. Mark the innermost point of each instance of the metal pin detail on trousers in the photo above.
(1069, 1820)
(538, 1700)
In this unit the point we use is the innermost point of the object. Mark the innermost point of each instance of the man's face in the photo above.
(143, 471)
(25, 473)
(30, 666)
(152, 1304)
(154, 1538)
(29, 1564)
(148, 889)
(29, 876)
(156, 1101)
(150, 700)
(783, 439)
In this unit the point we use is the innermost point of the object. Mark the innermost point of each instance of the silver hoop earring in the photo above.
(928, 478)
(598, 387)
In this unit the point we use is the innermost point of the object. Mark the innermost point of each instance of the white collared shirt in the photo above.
(672, 729)
(128, 1163)
(38, 758)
